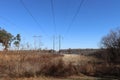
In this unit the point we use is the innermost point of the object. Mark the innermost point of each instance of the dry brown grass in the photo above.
(27, 64)
(23, 65)
(79, 59)
(53, 78)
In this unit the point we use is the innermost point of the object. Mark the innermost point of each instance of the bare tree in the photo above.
(111, 42)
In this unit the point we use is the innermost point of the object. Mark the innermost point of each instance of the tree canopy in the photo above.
(7, 38)
(17, 40)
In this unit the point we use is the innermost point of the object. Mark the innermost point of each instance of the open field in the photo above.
(31, 65)
(51, 78)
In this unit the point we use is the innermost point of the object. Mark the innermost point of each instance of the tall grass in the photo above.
(23, 63)
(41, 63)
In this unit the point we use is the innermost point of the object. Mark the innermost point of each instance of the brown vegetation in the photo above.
(16, 64)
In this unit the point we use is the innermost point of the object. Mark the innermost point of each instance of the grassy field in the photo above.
(61, 78)
(33, 65)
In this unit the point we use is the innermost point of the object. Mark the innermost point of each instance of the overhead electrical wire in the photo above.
(53, 14)
(74, 17)
(54, 24)
(8, 21)
(29, 12)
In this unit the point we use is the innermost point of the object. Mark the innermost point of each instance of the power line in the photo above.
(26, 8)
(54, 24)
(53, 14)
(7, 20)
(74, 17)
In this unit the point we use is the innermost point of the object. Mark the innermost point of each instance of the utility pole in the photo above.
(40, 43)
(53, 43)
(59, 43)
(60, 38)
(35, 41)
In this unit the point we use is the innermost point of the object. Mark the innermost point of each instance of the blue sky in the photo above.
(94, 20)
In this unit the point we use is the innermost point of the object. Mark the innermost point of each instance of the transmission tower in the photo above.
(35, 40)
